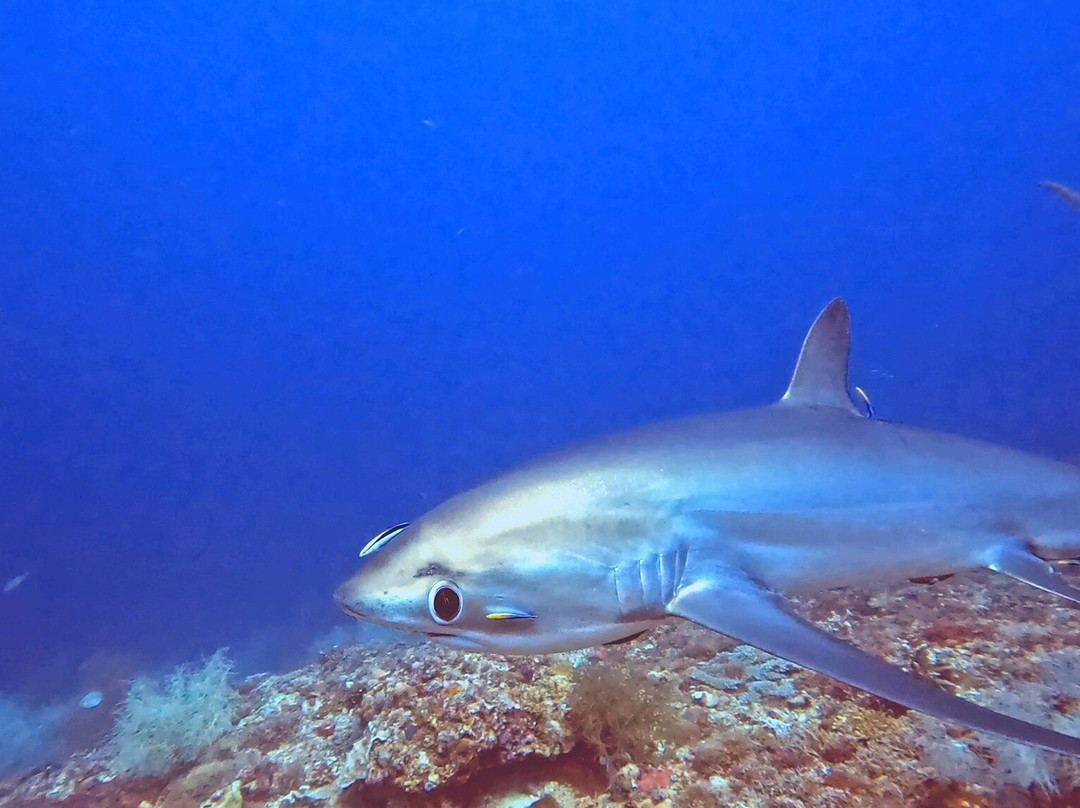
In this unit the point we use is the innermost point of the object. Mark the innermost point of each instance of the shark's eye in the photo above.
(444, 602)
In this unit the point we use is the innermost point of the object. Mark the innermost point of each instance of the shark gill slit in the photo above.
(646, 585)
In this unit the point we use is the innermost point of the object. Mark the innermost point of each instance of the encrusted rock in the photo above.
(426, 725)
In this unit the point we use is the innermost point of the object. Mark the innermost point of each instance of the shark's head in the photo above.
(500, 575)
(408, 582)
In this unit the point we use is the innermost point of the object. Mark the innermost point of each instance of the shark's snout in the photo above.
(345, 596)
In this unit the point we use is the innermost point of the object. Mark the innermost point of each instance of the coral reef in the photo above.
(680, 717)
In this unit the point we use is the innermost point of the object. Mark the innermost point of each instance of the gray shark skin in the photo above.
(716, 519)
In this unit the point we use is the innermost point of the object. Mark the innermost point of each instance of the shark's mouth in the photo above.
(458, 641)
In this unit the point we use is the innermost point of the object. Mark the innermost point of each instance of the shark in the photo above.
(718, 519)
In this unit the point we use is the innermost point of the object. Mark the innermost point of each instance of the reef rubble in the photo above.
(680, 718)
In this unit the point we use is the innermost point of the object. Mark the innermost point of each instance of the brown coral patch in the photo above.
(619, 712)
(953, 633)
(846, 782)
(577, 769)
(722, 752)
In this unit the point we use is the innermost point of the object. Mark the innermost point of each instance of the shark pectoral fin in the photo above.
(731, 604)
(1018, 563)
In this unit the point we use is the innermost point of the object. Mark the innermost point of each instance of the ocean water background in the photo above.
(274, 276)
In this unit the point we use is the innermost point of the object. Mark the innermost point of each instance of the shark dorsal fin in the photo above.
(821, 374)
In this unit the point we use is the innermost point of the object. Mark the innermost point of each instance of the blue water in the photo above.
(277, 275)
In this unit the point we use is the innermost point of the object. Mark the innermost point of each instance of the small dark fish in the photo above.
(15, 582)
(1071, 197)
